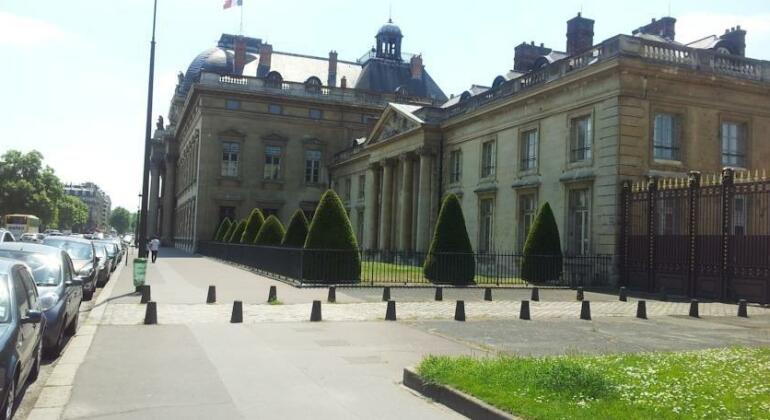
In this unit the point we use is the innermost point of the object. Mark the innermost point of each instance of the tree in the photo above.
(271, 233)
(238, 232)
(450, 258)
(71, 213)
(28, 187)
(331, 254)
(120, 219)
(296, 233)
(253, 224)
(542, 249)
(223, 228)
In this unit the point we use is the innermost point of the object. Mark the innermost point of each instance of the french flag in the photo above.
(230, 3)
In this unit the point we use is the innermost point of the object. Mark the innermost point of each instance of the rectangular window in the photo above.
(312, 166)
(232, 104)
(528, 150)
(272, 162)
(230, 152)
(486, 215)
(361, 187)
(275, 109)
(315, 114)
(666, 136)
(348, 188)
(580, 138)
(579, 218)
(455, 166)
(270, 212)
(734, 144)
(226, 211)
(488, 159)
(527, 212)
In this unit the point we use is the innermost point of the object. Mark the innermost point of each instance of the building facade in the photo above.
(98, 202)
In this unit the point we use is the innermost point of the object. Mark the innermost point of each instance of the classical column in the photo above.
(169, 192)
(152, 201)
(372, 193)
(425, 195)
(387, 202)
(405, 218)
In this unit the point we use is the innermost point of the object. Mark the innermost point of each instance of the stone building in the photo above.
(250, 126)
(98, 202)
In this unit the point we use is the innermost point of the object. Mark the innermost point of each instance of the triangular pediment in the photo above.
(231, 132)
(393, 122)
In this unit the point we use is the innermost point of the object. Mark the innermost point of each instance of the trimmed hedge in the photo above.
(450, 259)
(542, 250)
(271, 233)
(229, 232)
(331, 254)
(238, 232)
(224, 227)
(296, 233)
(253, 224)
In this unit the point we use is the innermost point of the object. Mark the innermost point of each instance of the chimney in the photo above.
(415, 67)
(665, 28)
(526, 54)
(332, 81)
(734, 39)
(344, 82)
(239, 58)
(580, 34)
(265, 55)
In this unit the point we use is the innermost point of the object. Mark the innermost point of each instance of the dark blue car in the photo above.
(21, 332)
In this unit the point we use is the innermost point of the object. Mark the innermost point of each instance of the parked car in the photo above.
(29, 237)
(113, 253)
(6, 236)
(21, 332)
(83, 255)
(60, 292)
(105, 264)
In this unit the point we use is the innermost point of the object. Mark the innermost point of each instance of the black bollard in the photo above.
(742, 310)
(641, 309)
(212, 295)
(237, 316)
(439, 294)
(272, 295)
(488, 294)
(585, 310)
(315, 313)
(623, 297)
(385, 294)
(332, 297)
(460, 311)
(390, 312)
(524, 312)
(535, 294)
(579, 295)
(694, 308)
(145, 293)
(151, 313)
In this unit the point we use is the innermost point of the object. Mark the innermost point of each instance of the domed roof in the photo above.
(215, 60)
(389, 29)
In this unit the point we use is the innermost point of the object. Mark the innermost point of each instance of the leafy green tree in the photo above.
(331, 250)
(26, 186)
(271, 233)
(542, 250)
(238, 232)
(120, 219)
(296, 233)
(450, 258)
(254, 222)
(223, 228)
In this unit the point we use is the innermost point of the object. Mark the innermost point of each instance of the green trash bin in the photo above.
(140, 269)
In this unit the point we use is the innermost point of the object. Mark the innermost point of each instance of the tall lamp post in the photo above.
(148, 132)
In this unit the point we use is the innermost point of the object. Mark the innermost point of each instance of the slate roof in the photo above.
(383, 75)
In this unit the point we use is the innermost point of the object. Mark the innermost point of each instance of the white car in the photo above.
(6, 236)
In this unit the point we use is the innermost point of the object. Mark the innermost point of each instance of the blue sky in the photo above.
(73, 76)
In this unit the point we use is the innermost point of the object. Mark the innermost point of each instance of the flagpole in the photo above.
(241, 30)
(147, 133)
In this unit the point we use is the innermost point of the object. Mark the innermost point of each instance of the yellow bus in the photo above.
(19, 224)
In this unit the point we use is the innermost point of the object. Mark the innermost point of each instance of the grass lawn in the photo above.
(380, 272)
(717, 384)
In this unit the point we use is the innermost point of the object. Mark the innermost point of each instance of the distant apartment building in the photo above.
(98, 202)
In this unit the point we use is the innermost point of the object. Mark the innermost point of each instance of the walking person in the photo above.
(153, 246)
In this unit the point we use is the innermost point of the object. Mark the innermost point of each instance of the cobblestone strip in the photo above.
(133, 314)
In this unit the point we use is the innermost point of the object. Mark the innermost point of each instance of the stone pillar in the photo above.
(405, 218)
(152, 200)
(169, 192)
(370, 216)
(425, 197)
(387, 202)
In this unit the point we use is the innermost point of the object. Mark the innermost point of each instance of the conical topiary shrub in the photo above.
(253, 224)
(238, 232)
(229, 232)
(296, 233)
(450, 259)
(542, 250)
(223, 228)
(331, 250)
(271, 233)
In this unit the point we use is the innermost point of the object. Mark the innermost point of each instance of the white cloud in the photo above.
(24, 31)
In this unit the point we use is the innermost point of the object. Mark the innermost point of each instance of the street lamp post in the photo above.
(142, 240)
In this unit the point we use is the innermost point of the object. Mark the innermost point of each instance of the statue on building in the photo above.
(180, 78)
(159, 125)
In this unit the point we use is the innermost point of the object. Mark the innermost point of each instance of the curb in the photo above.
(464, 404)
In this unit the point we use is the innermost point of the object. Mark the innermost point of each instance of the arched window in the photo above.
(465, 96)
(313, 85)
(402, 94)
(274, 80)
(499, 80)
